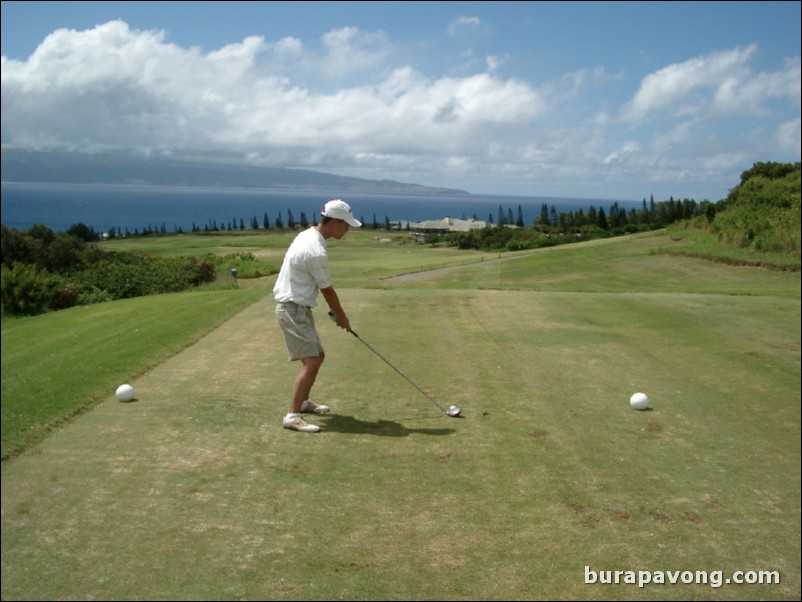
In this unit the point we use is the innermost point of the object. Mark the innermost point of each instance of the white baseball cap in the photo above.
(340, 210)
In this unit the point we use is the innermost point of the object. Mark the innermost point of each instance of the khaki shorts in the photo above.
(298, 325)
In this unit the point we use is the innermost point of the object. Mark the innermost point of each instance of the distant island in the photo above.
(120, 167)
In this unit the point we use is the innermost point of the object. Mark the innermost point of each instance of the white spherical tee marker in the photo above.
(125, 393)
(639, 401)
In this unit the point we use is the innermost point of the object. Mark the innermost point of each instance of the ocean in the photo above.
(136, 208)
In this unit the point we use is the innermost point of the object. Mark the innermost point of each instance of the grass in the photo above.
(641, 263)
(363, 257)
(699, 242)
(195, 492)
(58, 365)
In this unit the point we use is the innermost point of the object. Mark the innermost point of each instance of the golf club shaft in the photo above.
(386, 361)
(404, 376)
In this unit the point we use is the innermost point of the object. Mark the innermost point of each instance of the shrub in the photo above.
(124, 275)
(763, 214)
(28, 290)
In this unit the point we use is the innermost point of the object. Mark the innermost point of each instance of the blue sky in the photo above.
(606, 100)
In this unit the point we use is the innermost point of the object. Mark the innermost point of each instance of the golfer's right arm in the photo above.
(330, 295)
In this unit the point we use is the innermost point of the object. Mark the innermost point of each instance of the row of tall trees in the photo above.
(553, 228)
(212, 226)
(762, 212)
(616, 220)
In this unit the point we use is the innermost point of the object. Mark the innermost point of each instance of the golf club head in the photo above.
(454, 411)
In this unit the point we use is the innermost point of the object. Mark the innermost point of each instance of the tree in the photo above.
(66, 253)
(601, 220)
(22, 248)
(27, 290)
(46, 235)
(83, 232)
(770, 170)
(544, 215)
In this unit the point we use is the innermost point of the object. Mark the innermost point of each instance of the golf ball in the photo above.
(125, 393)
(639, 401)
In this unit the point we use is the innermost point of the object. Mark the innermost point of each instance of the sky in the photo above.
(602, 100)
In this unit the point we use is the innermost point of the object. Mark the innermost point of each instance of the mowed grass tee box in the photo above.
(194, 491)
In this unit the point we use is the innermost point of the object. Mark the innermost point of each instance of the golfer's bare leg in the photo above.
(305, 380)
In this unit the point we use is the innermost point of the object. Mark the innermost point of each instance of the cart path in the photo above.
(423, 274)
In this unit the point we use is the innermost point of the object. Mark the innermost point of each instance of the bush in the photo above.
(126, 275)
(28, 290)
(94, 295)
(45, 270)
(763, 214)
(247, 264)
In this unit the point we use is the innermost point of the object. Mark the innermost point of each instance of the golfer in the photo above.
(304, 272)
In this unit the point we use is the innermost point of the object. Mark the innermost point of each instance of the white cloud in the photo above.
(628, 148)
(462, 23)
(346, 104)
(789, 137)
(752, 96)
(493, 63)
(122, 87)
(288, 47)
(349, 51)
(678, 89)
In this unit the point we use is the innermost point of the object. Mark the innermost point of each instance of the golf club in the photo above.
(453, 411)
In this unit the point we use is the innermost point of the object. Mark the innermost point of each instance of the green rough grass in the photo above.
(62, 363)
(699, 242)
(637, 263)
(195, 492)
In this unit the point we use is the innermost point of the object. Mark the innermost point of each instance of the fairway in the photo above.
(194, 491)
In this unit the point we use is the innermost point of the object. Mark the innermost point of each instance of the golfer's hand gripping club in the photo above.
(333, 317)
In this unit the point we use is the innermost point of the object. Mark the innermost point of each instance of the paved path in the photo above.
(411, 276)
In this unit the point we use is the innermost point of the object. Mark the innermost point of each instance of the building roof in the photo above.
(448, 224)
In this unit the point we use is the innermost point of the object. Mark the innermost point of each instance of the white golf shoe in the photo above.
(297, 423)
(310, 407)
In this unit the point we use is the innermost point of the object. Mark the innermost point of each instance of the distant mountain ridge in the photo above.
(65, 167)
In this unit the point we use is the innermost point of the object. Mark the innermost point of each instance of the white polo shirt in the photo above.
(305, 270)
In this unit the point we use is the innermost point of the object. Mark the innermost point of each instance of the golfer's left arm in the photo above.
(330, 295)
